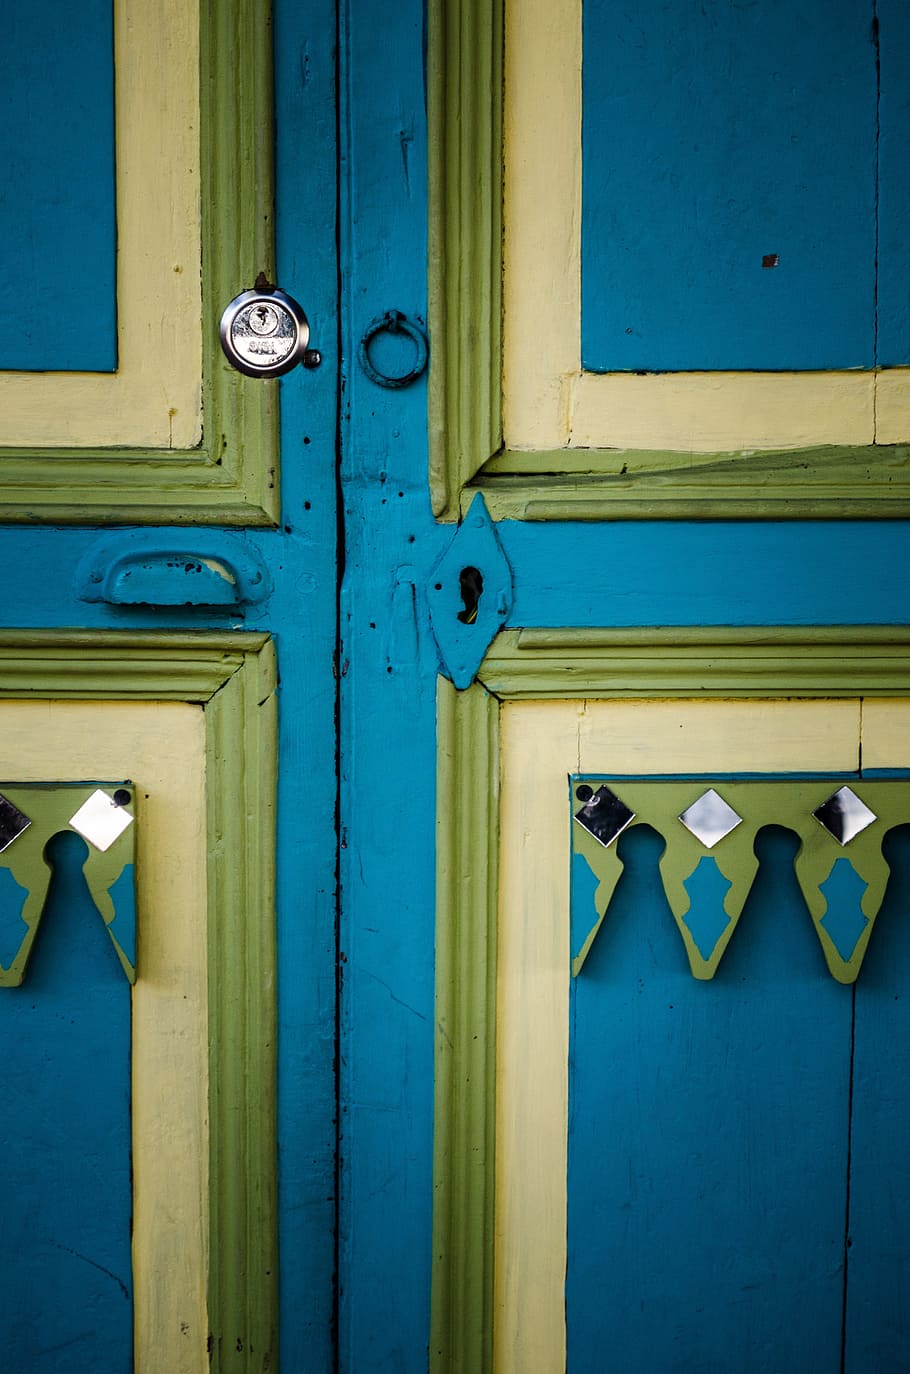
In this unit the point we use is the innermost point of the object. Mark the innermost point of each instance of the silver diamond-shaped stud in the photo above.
(12, 822)
(709, 818)
(101, 819)
(604, 815)
(844, 815)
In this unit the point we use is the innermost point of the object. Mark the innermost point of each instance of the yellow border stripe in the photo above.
(162, 746)
(155, 398)
(548, 402)
(542, 742)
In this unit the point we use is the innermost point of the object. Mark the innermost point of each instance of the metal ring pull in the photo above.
(393, 322)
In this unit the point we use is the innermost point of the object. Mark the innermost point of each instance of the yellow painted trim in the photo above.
(542, 742)
(162, 746)
(548, 403)
(886, 733)
(539, 746)
(154, 399)
(716, 412)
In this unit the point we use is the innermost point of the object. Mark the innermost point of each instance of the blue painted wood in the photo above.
(894, 191)
(301, 612)
(388, 720)
(187, 569)
(66, 1285)
(879, 1253)
(707, 1138)
(649, 573)
(468, 606)
(386, 666)
(655, 573)
(58, 309)
(717, 136)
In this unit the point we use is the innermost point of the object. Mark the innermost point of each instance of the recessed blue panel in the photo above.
(894, 184)
(728, 185)
(57, 196)
(707, 1137)
(877, 1327)
(65, 1260)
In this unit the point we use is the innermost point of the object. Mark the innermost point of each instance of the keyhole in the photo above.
(471, 582)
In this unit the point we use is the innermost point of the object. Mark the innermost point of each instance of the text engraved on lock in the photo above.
(264, 333)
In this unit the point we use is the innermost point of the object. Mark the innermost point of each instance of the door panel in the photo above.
(708, 1132)
(148, 319)
(708, 1138)
(66, 227)
(134, 1077)
(170, 433)
(680, 189)
(204, 117)
(363, 659)
(582, 444)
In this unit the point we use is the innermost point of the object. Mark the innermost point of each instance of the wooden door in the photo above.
(171, 523)
(673, 477)
(173, 534)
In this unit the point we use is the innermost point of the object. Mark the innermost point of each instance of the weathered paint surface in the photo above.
(894, 196)
(737, 1153)
(708, 239)
(154, 395)
(67, 1287)
(76, 1135)
(549, 401)
(58, 302)
(564, 574)
(699, 1181)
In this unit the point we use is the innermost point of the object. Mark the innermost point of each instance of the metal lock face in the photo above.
(264, 333)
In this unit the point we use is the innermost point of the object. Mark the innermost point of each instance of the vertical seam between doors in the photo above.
(339, 575)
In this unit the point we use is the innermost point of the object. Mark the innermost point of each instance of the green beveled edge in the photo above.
(233, 677)
(465, 169)
(696, 661)
(231, 478)
(464, 287)
(613, 484)
(710, 663)
(467, 841)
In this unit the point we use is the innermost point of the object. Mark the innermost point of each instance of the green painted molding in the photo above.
(231, 478)
(82, 664)
(233, 677)
(465, 169)
(464, 287)
(696, 661)
(616, 484)
(712, 662)
(243, 1192)
(461, 1321)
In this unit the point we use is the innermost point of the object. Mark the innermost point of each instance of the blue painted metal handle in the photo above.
(394, 322)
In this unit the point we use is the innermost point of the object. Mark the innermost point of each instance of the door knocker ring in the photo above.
(393, 322)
